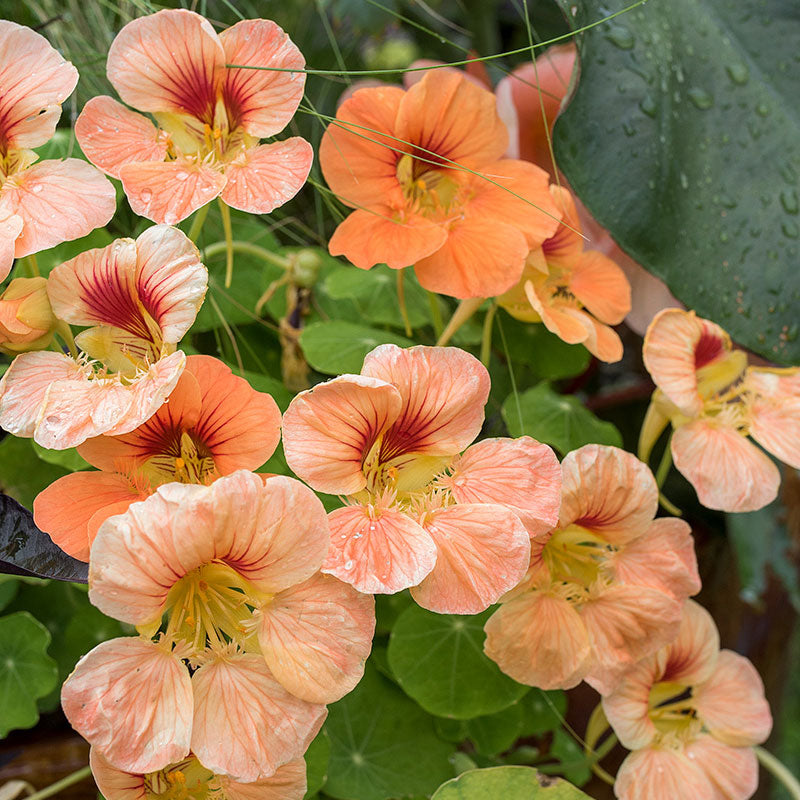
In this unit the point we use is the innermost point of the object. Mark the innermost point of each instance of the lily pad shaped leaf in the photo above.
(683, 140)
(508, 783)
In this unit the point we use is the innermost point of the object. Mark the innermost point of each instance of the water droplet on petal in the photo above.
(37, 188)
(146, 196)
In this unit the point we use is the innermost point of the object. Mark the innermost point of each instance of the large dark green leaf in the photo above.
(25, 550)
(683, 139)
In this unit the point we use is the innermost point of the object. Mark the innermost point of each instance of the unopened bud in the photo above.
(26, 320)
(306, 264)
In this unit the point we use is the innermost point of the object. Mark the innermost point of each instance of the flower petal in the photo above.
(728, 472)
(443, 391)
(113, 783)
(450, 116)
(262, 101)
(383, 236)
(58, 201)
(482, 552)
(627, 705)
(378, 551)
(63, 509)
(268, 176)
(286, 783)
(676, 345)
(328, 430)
(10, 228)
(316, 637)
(661, 774)
(357, 153)
(169, 191)
(246, 725)
(626, 624)
(692, 657)
(732, 703)
(733, 771)
(521, 474)
(775, 412)
(608, 491)
(36, 80)
(538, 639)
(111, 135)
(662, 557)
(169, 61)
(481, 258)
(601, 286)
(132, 700)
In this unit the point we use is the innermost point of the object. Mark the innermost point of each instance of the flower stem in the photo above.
(247, 248)
(197, 223)
(65, 332)
(225, 213)
(401, 301)
(64, 783)
(486, 339)
(466, 308)
(436, 314)
(779, 770)
(665, 464)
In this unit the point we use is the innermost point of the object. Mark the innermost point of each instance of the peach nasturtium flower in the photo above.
(208, 118)
(455, 528)
(407, 162)
(190, 780)
(691, 714)
(26, 319)
(139, 297)
(242, 639)
(605, 588)
(46, 203)
(715, 401)
(214, 423)
(576, 293)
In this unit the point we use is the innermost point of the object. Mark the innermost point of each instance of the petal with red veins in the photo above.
(662, 774)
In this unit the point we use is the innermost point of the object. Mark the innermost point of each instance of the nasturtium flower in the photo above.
(46, 203)
(190, 780)
(715, 401)
(139, 299)
(242, 639)
(455, 526)
(209, 119)
(691, 714)
(26, 320)
(424, 170)
(605, 588)
(576, 293)
(214, 423)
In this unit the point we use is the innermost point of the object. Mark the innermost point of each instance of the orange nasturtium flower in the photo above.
(455, 528)
(407, 162)
(213, 424)
(242, 640)
(209, 119)
(190, 780)
(605, 588)
(576, 293)
(139, 297)
(714, 401)
(26, 320)
(691, 714)
(46, 203)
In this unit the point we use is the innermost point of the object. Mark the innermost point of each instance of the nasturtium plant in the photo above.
(510, 783)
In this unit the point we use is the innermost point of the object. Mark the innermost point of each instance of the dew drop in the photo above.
(790, 229)
(621, 37)
(738, 73)
(181, 176)
(648, 105)
(762, 110)
(684, 180)
(348, 565)
(146, 196)
(789, 201)
(37, 188)
(700, 98)
(629, 129)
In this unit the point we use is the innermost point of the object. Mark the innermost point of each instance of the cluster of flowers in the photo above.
(253, 607)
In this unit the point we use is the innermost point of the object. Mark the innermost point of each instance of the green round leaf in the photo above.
(559, 420)
(494, 733)
(508, 783)
(317, 757)
(438, 660)
(683, 140)
(68, 459)
(336, 347)
(26, 671)
(383, 745)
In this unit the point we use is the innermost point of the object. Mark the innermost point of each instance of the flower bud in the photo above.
(26, 320)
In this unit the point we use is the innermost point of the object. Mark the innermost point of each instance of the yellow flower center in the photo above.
(187, 780)
(185, 462)
(672, 711)
(430, 191)
(574, 555)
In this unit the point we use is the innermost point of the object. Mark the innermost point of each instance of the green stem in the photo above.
(225, 212)
(776, 768)
(65, 333)
(436, 314)
(665, 464)
(401, 301)
(197, 222)
(248, 248)
(55, 788)
(486, 339)
(466, 308)
(669, 506)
